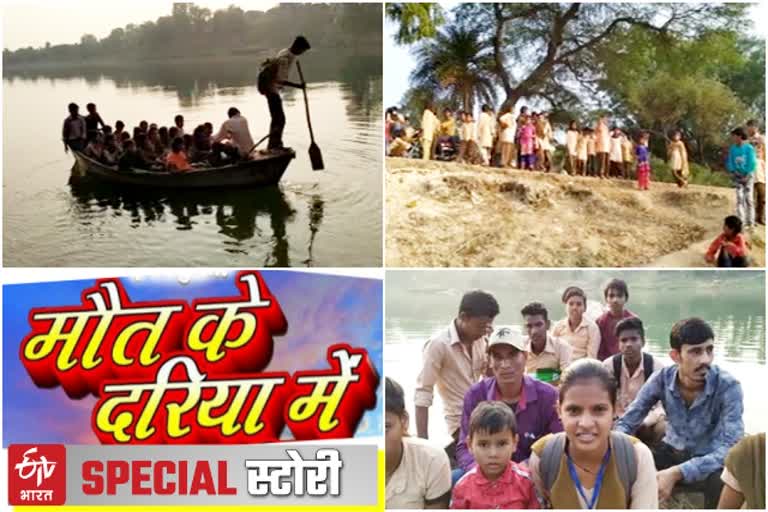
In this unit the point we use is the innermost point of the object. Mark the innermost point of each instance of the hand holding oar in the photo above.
(314, 151)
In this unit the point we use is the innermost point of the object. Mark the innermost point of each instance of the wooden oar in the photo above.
(314, 151)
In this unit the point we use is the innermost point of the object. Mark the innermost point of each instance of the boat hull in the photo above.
(265, 170)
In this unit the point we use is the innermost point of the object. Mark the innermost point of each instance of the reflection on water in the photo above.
(733, 303)
(235, 212)
(329, 218)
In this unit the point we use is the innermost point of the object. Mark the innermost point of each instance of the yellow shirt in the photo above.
(584, 340)
(448, 128)
(556, 355)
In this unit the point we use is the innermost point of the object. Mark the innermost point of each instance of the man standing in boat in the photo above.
(74, 131)
(272, 77)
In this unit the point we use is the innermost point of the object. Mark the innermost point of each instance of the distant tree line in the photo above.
(193, 31)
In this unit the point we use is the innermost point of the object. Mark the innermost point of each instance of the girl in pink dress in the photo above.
(527, 138)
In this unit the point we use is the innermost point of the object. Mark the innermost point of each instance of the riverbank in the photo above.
(452, 215)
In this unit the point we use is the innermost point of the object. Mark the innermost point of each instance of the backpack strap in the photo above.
(617, 369)
(626, 460)
(647, 365)
(549, 459)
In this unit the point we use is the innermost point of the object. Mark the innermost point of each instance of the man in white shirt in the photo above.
(74, 130)
(485, 132)
(507, 136)
(235, 129)
(282, 70)
(429, 127)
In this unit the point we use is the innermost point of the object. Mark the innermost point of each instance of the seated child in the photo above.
(399, 146)
(111, 153)
(95, 148)
(730, 247)
(131, 157)
(495, 482)
(177, 159)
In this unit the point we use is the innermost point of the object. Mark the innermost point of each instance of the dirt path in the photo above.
(451, 215)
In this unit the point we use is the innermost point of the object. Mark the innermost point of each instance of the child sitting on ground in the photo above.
(399, 146)
(643, 162)
(495, 482)
(730, 247)
(176, 161)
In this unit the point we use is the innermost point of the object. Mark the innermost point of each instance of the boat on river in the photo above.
(263, 170)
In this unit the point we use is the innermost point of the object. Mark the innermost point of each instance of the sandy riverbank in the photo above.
(446, 214)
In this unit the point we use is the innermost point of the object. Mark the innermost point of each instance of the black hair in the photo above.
(301, 44)
(119, 124)
(630, 324)
(574, 291)
(73, 106)
(690, 331)
(535, 308)
(394, 398)
(587, 369)
(90, 106)
(178, 116)
(479, 303)
(486, 107)
(177, 144)
(492, 416)
(616, 285)
(734, 223)
(752, 122)
(232, 111)
(739, 132)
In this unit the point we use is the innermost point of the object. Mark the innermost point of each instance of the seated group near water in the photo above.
(578, 416)
(149, 147)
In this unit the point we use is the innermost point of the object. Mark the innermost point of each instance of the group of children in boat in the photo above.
(576, 415)
(161, 148)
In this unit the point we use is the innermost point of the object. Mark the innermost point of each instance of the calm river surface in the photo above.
(420, 303)
(328, 218)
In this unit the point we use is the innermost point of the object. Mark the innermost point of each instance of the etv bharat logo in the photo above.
(42, 468)
(37, 474)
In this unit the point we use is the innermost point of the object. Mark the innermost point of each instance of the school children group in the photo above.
(574, 415)
(604, 152)
(170, 149)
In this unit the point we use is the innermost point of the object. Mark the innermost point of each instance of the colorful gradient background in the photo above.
(321, 310)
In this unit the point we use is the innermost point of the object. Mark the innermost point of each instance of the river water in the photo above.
(420, 303)
(329, 218)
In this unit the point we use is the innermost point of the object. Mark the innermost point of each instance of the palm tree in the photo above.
(460, 63)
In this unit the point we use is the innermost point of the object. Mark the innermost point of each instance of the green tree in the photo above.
(416, 21)
(548, 50)
(459, 64)
(703, 108)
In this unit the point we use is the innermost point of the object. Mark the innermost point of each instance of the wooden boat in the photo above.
(263, 170)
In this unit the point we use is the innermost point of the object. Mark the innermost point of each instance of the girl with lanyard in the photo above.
(588, 466)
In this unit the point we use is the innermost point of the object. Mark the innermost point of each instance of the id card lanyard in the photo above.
(598, 480)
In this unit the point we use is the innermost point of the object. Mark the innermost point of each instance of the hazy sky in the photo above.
(33, 23)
